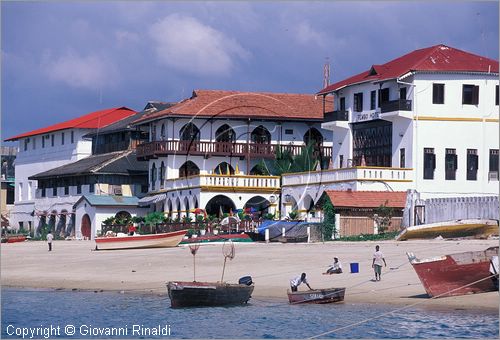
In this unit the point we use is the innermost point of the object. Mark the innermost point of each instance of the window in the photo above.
(342, 104)
(161, 174)
(78, 188)
(437, 93)
(402, 93)
(162, 132)
(358, 102)
(450, 163)
(20, 192)
(51, 140)
(470, 94)
(34, 143)
(43, 192)
(54, 191)
(43, 142)
(373, 99)
(341, 161)
(62, 138)
(496, 95)
(72, 137)
(26, 142)
(429, 163)
(288, 131)
(153, 176)
(383, 96)
(493, 174)
(402, 157)
(30, 189)
(91, 188)
(472, 164)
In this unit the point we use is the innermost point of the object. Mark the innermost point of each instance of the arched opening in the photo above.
(61, 225)
(224, 168)
(258, 206)
(260, 135)
(86, 227)
(218, 204)
(178, 208)
(52, 221)
(225, 134)
(42, 225)
(169, 207)
(189, 132)
(308, 203)
(163, 134)
(259, 170)
(186, 206)
(314, 137)
(196, 205)
(188, 169)
(123, 217)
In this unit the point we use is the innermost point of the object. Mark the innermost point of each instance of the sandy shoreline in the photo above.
(74, 265)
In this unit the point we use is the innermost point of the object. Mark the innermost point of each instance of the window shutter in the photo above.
(433, 161)
(475, 95)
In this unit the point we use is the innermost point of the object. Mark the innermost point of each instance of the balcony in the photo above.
(395, 105)
(226, 182)
(157, 149)
(377, 174)
(334, 116)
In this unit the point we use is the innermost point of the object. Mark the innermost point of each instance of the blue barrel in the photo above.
(354, 267)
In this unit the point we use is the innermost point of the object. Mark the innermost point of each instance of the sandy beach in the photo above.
(75, 265)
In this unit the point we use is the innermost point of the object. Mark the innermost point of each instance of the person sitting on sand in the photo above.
(335, 268)
(294, 283)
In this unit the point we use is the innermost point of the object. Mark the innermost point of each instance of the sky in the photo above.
(61, 60)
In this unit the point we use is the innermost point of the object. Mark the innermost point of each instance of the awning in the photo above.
(152, 199)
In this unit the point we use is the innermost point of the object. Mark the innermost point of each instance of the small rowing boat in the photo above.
(451, 229)
(317, 296)
(163, 240)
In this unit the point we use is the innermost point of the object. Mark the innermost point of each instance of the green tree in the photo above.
(382, 216)
(154, 218)
(329, 227)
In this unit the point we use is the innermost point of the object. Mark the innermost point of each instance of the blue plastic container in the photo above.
(354, 267)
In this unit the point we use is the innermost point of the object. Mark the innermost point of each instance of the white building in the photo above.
(206, 152)
(427, 121)
(51, 147)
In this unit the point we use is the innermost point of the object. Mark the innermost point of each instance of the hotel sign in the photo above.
(361, 117)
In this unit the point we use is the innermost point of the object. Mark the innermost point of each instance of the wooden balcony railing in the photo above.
(157, 149)
(334, 116)
(396, 105)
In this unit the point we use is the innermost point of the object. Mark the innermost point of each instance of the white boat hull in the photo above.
(164, 240)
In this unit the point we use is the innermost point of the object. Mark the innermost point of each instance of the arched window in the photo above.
(189, 132)
(225, 134)
(188, 169)
(261, 135)
(153, 176)
(162, 174)
(163, 134)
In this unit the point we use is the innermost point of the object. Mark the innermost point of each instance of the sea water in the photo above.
(46, 314)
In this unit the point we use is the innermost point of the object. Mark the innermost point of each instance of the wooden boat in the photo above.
(317, 296)
(196, 294)
(457, 274)
(163, 240)
(13, 238)
(450, 229)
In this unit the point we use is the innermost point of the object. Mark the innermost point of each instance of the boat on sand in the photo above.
(163, 240)
(469, 272)
(317, 296)
(478, 228)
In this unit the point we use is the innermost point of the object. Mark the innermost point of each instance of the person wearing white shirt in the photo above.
(295, 282)
(335, 268)
(50, 237)
(378, 259)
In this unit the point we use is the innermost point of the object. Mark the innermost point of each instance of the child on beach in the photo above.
(50, 237)
(378, 258)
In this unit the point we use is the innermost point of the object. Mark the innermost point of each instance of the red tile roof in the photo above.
(438, 58)
(235, 104)
(367, 199)
(94, 120)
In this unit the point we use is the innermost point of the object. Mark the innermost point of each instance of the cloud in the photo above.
(124, 38)
(184, 43)
(87, 72)
(305, 34)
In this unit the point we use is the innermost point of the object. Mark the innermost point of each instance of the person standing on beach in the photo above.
(378, 259)
(294, 283)
(50, 237)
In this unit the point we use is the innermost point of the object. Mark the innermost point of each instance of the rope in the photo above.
(399, 309)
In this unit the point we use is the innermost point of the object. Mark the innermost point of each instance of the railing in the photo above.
(396, 105)
(156, 149)
(232, 181)
(348, 174)
(333, 116)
